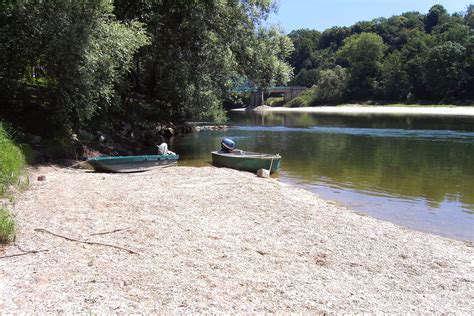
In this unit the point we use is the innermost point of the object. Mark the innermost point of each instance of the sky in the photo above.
(323, 14)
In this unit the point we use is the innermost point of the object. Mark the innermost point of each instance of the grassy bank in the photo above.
(7, 226)
(12, 162)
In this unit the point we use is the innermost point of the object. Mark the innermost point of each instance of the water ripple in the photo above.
(372, 132)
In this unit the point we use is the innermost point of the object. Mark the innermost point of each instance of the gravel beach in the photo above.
(213, 240)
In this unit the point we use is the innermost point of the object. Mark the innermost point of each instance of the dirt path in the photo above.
(218, 240)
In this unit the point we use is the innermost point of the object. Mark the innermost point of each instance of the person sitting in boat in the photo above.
(163, 148)
(227, 145)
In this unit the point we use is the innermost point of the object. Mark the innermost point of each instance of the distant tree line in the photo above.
(73, 65)
(409, 57)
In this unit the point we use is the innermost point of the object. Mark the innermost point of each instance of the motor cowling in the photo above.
(228, 143)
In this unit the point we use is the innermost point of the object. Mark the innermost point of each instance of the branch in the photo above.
(24, 252)
(41, 230)
(110, 232)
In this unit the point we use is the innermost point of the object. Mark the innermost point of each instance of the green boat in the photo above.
(132, 163)
(246, 161)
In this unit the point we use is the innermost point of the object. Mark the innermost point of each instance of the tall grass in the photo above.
(12, 161)
(7, 226)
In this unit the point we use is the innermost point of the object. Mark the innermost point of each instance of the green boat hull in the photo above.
(246, 161)
(132, 163)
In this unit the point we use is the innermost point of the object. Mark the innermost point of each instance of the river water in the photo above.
(416, 172)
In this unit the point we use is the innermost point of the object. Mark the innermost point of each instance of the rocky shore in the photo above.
(209, 240)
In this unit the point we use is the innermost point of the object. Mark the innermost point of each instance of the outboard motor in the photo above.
(227, 145)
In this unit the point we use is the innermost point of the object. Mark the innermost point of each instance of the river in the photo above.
(417, 172)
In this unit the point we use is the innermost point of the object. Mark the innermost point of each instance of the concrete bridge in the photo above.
(257, 96)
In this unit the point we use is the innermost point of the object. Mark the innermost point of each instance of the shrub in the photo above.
(12, 161)
(7, 226)
(275, 101)
(331, 86)
(306, 98)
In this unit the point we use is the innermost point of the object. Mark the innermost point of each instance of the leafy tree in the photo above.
(436, 16)
(414, 55)
(306, 78)
(364, 53)
(469, 16)
(199, 48)
(466, 87)
(445, 69)
(334, 37)
(331, 86)
(453, 31)
(83, 54)
(394, 78)
(306, 43)
(409, 40)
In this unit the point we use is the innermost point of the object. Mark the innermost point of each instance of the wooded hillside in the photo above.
(409, 57)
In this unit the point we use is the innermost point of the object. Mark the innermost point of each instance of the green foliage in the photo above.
(394, 78)
(306, 78)
(81, 52)
(12, 161)
(331, 86)
(275, 101)
(410, 56)
(306, 43)
(469, 16)
(305, 99)
(197, 50)
(7, 226)
(268, 54)
(436, 16)
(364, 53)
(445, 69)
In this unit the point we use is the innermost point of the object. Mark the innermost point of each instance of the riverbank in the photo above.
(217, 240)
(373, 110)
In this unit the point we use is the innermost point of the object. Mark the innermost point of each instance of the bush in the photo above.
(275, 101)
(12, 161)
(331, 85)
(7, 227)
(306, 98)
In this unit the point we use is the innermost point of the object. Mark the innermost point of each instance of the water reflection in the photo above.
(379, 121)
(420, 178)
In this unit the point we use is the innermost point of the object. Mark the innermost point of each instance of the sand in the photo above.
(212, 240)
(374, 110)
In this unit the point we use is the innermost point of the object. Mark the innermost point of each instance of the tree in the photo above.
(394, 78)
(200, 47)
(452, 32)
(306, 43)
(334, 37)
(83, 53)
(469, 16)
(331, 86)
(436, 16)
(364, 53)
(445, 66)
(306, 78)
(414, 55)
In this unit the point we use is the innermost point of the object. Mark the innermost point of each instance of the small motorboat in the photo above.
(246, 160)
(132, 163)
(238, 159)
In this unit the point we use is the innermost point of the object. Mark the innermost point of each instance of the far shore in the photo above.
(355, 109)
